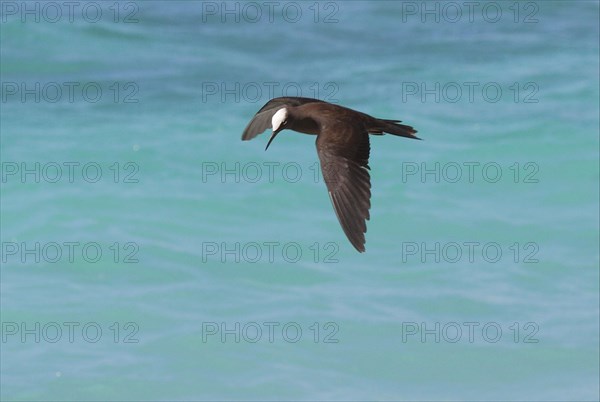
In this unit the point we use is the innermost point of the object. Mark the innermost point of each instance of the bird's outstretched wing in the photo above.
(344, 154)
(262, 119)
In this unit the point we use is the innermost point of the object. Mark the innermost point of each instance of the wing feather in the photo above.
(344, 154)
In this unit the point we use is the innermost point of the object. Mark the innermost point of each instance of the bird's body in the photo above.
(343, 148)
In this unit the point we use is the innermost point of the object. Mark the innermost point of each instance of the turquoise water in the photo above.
(149, 254)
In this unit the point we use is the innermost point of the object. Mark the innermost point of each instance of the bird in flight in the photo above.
(343, 148)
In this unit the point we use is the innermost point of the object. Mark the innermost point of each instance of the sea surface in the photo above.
(150, 254)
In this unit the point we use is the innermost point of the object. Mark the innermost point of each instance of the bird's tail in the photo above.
(393, 127)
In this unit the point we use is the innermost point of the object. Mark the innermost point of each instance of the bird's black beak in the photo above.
(272, 138)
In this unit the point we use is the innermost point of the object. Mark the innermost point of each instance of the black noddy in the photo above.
(343, 148)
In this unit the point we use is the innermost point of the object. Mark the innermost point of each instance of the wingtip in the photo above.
(360, 247)
(413, 135)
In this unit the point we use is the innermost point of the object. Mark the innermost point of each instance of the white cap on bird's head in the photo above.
(278, 122)
(279, 118)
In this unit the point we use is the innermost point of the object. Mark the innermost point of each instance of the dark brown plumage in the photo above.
(343, 149)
